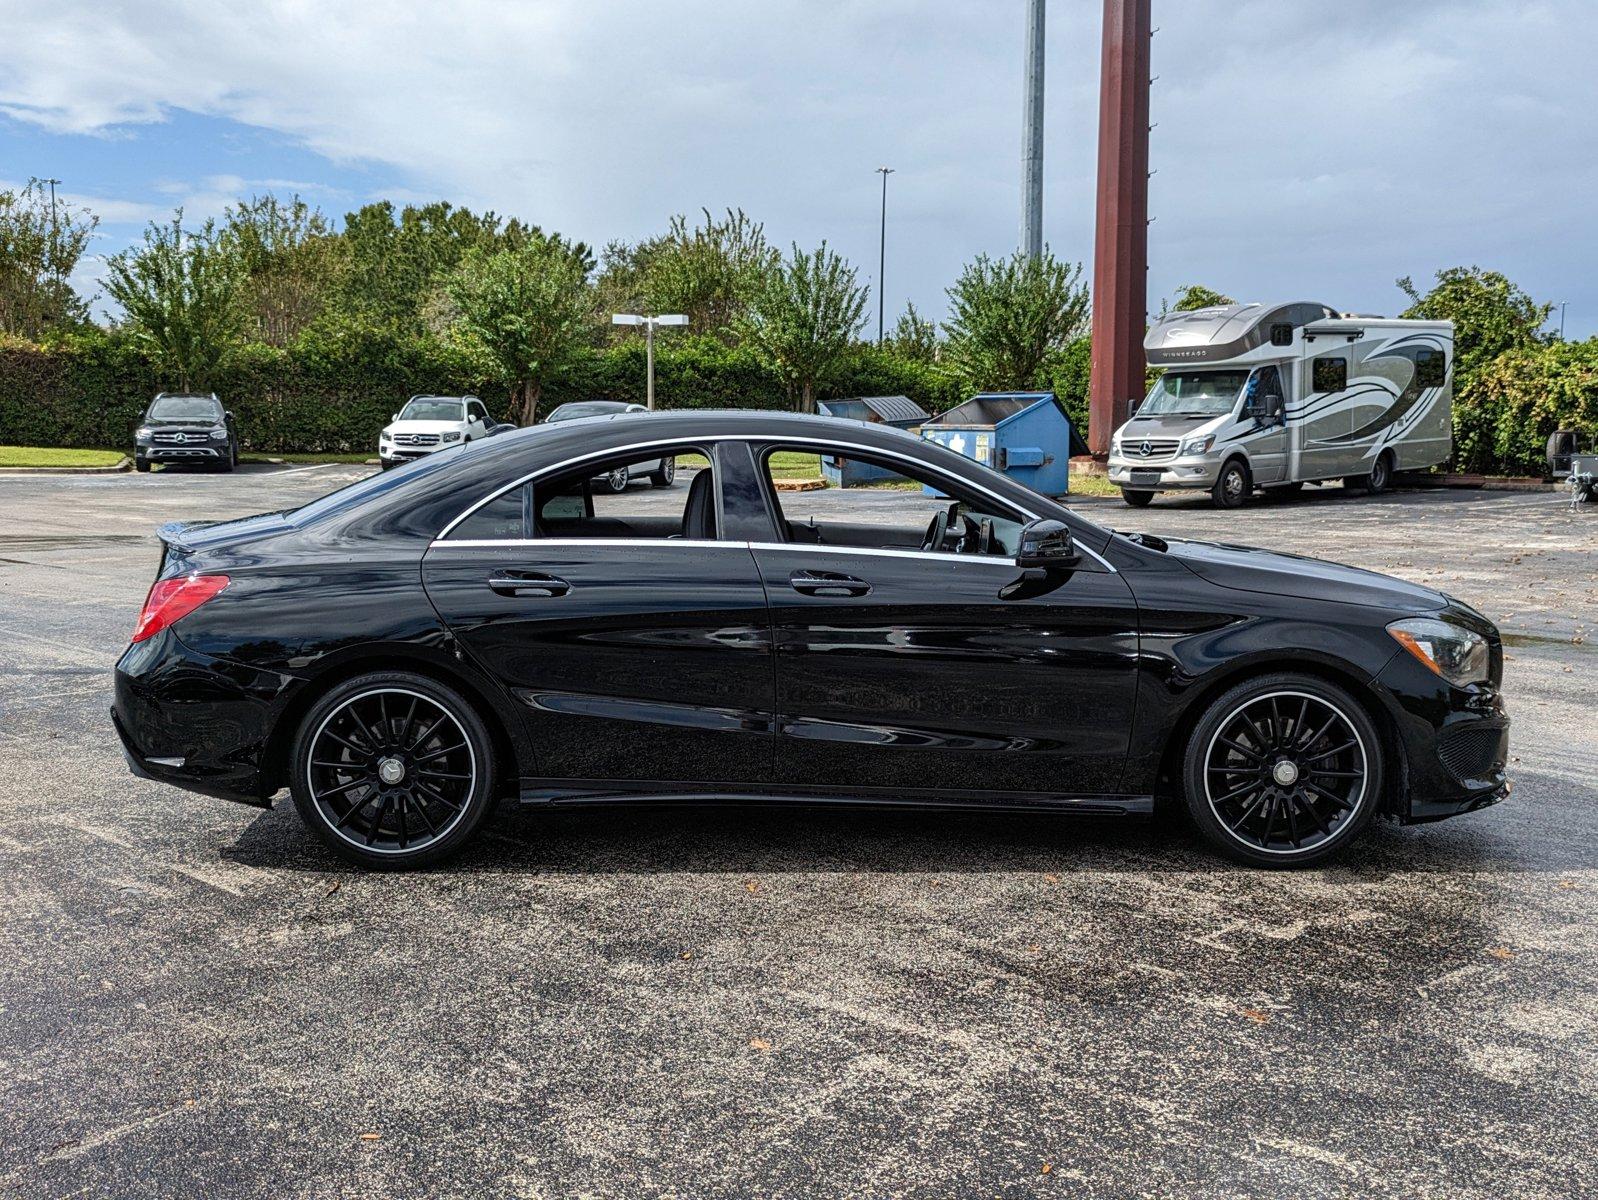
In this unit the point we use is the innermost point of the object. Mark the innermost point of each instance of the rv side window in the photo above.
(1431, 367)
(1330, 375)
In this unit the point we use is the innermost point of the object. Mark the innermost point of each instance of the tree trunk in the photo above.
(529, 391)
(807, 397)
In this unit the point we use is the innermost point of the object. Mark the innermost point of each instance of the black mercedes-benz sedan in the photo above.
(488, 623)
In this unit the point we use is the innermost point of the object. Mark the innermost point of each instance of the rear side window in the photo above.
(1330, 375)
(504, 518)
(1431, 368)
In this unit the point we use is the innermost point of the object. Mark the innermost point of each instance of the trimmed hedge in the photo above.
(331, 394)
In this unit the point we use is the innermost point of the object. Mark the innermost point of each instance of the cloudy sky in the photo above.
(1302, 149)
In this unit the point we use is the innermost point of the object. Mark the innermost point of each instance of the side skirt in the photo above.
(610, 791)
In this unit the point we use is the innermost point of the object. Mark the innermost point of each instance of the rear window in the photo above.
(186, 408)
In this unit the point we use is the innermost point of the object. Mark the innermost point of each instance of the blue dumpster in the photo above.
(899, 411)
(1026, 435)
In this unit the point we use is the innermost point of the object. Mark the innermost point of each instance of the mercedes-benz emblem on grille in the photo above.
(180, 437)
(1145, 449)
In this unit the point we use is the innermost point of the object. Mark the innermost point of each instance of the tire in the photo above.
(385, 464)
(1137, 499)
(141, 465)
(1255, 810)
(1381, 477)
(616, 481)
(667, 474)
(226, 465)
(1233, 485)
(346, 746)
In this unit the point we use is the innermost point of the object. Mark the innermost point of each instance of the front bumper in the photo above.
(1194, 471)
(198, 722)
(1453, 742)
(181, 453)
(404, 454)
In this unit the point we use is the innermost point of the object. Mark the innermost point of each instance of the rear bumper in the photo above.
(1454, 743)
(197, 722)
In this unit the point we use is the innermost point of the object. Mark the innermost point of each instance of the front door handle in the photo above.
(528, 583)
(828, 583)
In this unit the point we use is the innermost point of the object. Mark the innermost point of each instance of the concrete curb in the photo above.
(125, 465)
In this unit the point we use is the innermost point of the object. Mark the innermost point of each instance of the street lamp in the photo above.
(650, 324)
(882, 249)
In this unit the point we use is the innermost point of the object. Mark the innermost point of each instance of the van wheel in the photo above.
(1283, 770)
(1381, 476)
(392, 770)
(1233, 485)
(1137, 499)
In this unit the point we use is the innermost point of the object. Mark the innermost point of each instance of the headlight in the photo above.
(1198, 445)
(1458, 654)
(383, 436)
(454, 436)
(142, 433)
(219, 434)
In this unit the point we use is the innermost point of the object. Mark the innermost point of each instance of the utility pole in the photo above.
(1562, 304)
(55, 237)
(882, 251)
(1121, 241)
(1032, 136)
(650, 324)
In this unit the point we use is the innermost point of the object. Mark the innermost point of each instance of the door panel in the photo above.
(1267, 449)
(946, 671)
(640, 660)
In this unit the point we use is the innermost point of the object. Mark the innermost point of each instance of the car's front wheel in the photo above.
(393, 770)
(1137, 499)
(140, 463)
(617, 480)
(1283, 770)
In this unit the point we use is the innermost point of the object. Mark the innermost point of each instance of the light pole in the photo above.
(55, 237)
(882, 250)
(650, 324)
(1562, 304)
(1032, 135)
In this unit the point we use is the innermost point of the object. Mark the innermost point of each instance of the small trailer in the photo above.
(1274, 396)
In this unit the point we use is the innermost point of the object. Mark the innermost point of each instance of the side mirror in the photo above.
(1046, 545)
(395, 417)
(1273, 407)
(227, 414)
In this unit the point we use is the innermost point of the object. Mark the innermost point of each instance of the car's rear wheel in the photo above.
(393, 770)
(1381, 476)
(1137, 499)
(666, 473)
(1283, 770)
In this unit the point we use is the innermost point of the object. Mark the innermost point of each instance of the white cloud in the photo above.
(1301, 149)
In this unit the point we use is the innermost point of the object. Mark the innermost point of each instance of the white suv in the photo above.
(429, 423)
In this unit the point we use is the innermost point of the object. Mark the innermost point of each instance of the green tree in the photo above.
(38, 253)
(803, 318)
(179, 295)
(1009, 318)
(1491, 316)
(291, 259)
(709, 271)
(398, 260)
(523, 313)
(1195, 296)
(914, 337)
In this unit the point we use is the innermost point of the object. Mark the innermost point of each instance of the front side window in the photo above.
(888, 504)
(476, 411)
(186, 408)
(1193, 394)
(659, 493)
(431, 408)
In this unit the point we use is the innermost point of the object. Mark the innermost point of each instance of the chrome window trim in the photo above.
(479, 544)
(750, 440)
(945, 556)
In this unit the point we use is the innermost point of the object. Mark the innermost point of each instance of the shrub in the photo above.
(1502, 423)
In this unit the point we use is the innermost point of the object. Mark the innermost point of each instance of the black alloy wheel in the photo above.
(1283, 770)
(1137, 499)
(1232, 485)
(392, 770)
(666, 474)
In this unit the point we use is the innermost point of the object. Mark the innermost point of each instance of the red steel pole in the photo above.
(1121, 241)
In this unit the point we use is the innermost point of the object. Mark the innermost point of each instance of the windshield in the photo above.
(185, 408)
(431, 408)
(1193, 393)
(590, 408)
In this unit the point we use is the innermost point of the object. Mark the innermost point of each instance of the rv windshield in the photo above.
(1193, 393)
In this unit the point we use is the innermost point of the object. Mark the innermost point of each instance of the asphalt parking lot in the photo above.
(196, 999)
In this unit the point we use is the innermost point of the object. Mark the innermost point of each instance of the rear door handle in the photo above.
(528, 583)
(827, 583)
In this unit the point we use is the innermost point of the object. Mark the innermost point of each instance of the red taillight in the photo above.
(170, 600)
